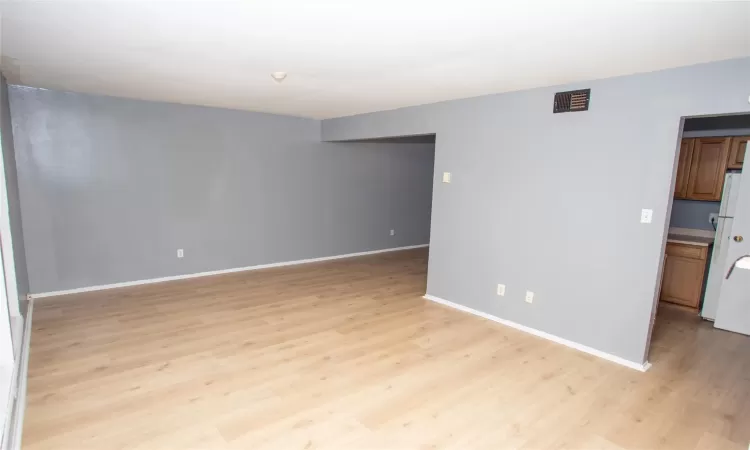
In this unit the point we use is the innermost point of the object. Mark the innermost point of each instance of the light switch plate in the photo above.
(446, 177)
(529, 297)
(646, 215)
(501, 290)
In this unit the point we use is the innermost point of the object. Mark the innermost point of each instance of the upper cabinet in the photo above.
(703, 163)
(683, 168)
(737, 152)
(707, 168)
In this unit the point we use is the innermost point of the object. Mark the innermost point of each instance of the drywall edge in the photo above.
(14, 426)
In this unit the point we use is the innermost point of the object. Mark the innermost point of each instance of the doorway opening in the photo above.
(408, 220)
(708, 181)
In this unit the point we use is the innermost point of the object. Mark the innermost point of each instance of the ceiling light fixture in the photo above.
(278, 76)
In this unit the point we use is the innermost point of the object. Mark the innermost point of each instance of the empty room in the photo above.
(374, 225)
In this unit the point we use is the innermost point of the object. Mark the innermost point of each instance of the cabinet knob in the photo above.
(738, 239)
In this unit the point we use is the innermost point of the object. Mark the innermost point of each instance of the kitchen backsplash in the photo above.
(693, 214)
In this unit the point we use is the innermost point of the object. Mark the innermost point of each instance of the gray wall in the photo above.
(111, 188)
(551, 202)
(11, 182)
(693, 214)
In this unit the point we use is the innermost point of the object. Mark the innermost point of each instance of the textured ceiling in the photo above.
(348, 57)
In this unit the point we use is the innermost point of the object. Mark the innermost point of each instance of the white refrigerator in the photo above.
(716, 270)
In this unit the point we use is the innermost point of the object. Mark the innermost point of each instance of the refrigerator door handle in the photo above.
(743, 262)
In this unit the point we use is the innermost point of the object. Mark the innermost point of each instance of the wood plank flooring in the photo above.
(347, 355)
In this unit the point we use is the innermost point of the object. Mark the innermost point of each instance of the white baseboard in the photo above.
(217, 272)
(551, 337)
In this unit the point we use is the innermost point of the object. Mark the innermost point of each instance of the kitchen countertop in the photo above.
(690, 236)
(688, 239)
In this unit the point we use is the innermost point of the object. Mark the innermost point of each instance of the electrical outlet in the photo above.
(180, 253)
(529, 297)
(501, 289)
(713, 218)
(393, 232)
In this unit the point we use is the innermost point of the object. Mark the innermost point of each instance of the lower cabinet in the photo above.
(684, 272)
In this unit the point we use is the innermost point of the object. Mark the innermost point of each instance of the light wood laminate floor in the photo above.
(347, 355)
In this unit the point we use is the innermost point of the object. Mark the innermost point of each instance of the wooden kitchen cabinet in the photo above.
(684, 272)
(707, 168)
(683, 168)
(737, 152)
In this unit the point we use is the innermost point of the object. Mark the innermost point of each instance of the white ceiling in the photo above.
(347, 57)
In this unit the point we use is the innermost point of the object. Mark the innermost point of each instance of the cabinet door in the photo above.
(682, 281)
(707, 168)
(737, 152)
(683, 168)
